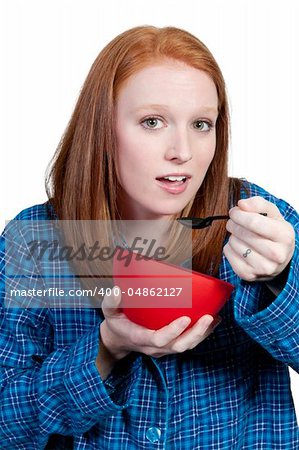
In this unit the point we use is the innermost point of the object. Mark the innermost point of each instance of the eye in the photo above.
(151, 123)
(203, 125)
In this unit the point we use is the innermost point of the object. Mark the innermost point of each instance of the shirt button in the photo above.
(153, 434)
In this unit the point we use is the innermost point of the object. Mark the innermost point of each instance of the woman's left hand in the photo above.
(260, 247)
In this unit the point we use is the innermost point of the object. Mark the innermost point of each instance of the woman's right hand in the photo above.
(120, 335)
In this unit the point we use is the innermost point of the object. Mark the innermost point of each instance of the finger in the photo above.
(143, 338)
(260, 205)
(163, 336)
(247, 239)
(247, 255)
(266, 227)
(200, 330)
(241, 268)
(168, 349)
(250, 267)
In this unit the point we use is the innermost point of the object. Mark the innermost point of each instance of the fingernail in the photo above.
(208, 321)
(184, 322)
(205, 323)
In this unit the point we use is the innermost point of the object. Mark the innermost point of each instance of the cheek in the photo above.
(132, 158)
(205, 154)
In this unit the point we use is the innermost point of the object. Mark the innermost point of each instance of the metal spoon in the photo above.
(199, 222)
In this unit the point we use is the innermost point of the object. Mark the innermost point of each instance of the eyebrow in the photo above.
(204, 109)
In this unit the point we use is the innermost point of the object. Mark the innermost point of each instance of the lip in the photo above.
(176, 174)
(174, 189)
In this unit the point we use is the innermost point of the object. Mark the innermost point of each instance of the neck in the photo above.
(146, 232)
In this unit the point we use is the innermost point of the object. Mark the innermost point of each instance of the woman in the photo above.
(154, 106)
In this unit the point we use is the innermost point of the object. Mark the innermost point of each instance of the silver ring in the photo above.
(247, 252)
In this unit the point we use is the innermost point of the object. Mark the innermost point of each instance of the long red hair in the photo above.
(82, 183)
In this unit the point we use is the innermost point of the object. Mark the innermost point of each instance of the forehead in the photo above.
(169, 83)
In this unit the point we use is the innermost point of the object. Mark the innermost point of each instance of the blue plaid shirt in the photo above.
(232, 391)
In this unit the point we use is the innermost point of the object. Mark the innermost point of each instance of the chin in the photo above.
(169, 211)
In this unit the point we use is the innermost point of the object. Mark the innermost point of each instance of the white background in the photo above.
(47, 48)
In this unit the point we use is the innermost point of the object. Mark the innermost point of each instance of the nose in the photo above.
(179, 146)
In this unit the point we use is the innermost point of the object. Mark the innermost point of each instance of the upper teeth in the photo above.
(175, 178)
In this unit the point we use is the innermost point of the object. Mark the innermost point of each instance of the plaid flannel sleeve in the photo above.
(46, 391)
(274, 322)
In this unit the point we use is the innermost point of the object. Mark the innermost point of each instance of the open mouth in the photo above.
(176, 181)
(174, 184)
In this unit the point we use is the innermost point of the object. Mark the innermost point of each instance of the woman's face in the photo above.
(165, 124)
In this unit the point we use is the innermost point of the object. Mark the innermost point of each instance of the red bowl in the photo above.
(154, 293)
